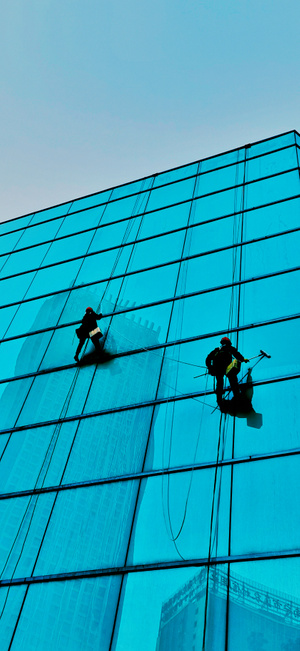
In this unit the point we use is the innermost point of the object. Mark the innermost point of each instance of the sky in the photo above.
(94, 93)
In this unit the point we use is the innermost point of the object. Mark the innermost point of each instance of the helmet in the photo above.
(225, 341)
(89, 309)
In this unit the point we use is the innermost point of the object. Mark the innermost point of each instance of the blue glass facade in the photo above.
(134, 513)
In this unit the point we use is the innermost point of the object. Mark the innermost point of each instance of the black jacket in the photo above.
(219, 358)
(88, 323)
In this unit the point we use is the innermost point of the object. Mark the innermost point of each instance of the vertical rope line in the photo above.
(149, 433)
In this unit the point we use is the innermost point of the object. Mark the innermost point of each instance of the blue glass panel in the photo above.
(201, 314)
(70, 247)
(219, 179)
(138, 329)
(62, 347)
(285, 358)
(173, 444)
(12, 396)
(68, 616)
(101, 297)
(176, 174)
(132, 188)
(15, 224)
(23, 520)
(264, 605)
(170, 507)
(273, 189)
(40, 233)
(271, 144)
(8, 243)
(35, 457)
(217, 205)
(6, 318)
(276, 403)
(53, 278)
(24, 260)
(104, 265)
(22, 355)
(147, 286)
(115, 234)
(51, 213)
(272, 219)
(123, 208)
(99, 521)
(271, 255)
(165, 610)
(297, 136)
(207, 237)
(221, 160)
(166, 219)
(35, 315)
(79, 221)
(270, 298)
(109, 445)
(279, 161)
(265, 507)
(10, 604)
(158, 251)
(170, 194)
(92, 200)
(14, 289)
(119, 382)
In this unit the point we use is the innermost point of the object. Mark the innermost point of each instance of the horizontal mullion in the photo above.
(147, 567)
(166, 344)
(163, 301)
(164, 264)
(139, 405)
(247, 146)
(152, 473)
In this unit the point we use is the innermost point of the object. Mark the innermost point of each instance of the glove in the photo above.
(246, 360)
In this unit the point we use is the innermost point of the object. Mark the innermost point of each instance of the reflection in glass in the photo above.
(68, 616)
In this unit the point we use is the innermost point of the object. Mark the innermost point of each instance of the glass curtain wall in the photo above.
(135, 514)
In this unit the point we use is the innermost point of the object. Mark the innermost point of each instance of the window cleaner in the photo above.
(89, 329)
(225, 360)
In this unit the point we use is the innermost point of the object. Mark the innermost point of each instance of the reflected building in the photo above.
(260, 618)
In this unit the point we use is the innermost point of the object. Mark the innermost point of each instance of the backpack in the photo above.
(212, 362)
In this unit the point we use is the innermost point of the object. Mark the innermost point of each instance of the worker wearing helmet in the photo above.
(225, 360)
(89, 329)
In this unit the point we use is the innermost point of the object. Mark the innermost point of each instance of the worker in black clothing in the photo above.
(220, 362)
(89, 329)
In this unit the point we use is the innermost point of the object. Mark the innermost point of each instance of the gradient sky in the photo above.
(97, 93)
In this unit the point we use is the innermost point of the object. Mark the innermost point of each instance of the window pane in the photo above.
(169, 508)
(92, 200)
(276, 254)
(131, 188)
(172, 444)
(10, 604)
(68, 616)
(41, 233)
(221, 160)
(170, 194)
(220, 179)
(8, 243)
(276, 402)
(279, 161)
(217, 205)
(264, 605)
(109, 445)
(15, 224)
(70, 247)
(38, 314)
(12, 396)
(264, 507)
(52, 279)
(115, 234)
(270, 298)
(139, 329)
(272, 219)
(200, 314)
(175, 175)
(148, 286)
(166, 219)
(103, 265)
(79, 221)
(22, 261)
(50, 213)
(158, 251)
(273, 189)
(22, 355)
(123, 208)
(165, 610)
(271, 144)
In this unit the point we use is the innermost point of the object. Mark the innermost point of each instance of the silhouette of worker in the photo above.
(225, 360)
(89, 330)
